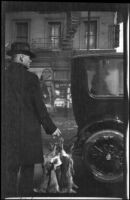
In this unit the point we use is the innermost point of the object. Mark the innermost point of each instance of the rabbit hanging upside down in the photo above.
(58, 171)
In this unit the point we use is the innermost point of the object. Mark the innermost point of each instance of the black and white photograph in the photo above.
(64, 86)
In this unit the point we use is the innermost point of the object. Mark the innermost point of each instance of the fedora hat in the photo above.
(20, 48)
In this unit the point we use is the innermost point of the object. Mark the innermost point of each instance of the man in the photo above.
(24, 114)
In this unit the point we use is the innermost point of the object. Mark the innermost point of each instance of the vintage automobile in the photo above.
(97, 87)
(60, 103)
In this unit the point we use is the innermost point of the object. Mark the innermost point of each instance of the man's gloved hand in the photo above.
(57, 133)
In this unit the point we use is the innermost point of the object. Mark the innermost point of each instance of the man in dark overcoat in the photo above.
(24, 113)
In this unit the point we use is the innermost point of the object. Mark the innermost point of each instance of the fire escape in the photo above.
(72, 23)
(66, 43)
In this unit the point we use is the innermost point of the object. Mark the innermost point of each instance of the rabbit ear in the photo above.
(54, 148)
(71, 148)
(61, 142)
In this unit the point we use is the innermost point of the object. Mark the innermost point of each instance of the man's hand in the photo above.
(57, 133)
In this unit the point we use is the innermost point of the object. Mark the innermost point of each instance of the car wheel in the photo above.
(103, 154)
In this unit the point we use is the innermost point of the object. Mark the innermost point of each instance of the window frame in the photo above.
(85, 37)
(14, 31)
(60, 31)
(104, 96)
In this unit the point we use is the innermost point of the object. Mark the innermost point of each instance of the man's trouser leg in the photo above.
(25, 187)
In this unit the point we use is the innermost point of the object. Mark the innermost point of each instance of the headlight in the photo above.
(103, 154)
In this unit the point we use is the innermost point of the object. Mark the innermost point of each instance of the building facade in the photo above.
(55, 37)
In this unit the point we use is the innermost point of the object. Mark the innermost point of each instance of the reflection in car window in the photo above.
(105, 76)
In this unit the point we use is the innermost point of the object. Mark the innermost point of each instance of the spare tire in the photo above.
(103, 155)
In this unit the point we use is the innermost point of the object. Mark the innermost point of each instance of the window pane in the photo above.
(105, 77)
(92, 42)
(92, 34)
(63, 95)
(93, 27)
(55, 29)
(22, 31)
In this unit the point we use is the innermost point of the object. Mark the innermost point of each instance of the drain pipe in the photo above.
(88, 38)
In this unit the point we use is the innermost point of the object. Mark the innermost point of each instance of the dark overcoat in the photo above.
(25, 112)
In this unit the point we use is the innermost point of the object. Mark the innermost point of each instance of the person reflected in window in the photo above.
(98, 84)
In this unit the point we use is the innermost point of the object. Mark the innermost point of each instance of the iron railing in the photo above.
(56, 43)
(46, 43)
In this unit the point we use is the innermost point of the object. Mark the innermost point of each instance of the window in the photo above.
(55, 33)
(105, 76)
(62, 95)
(62, 89)
(21, 31)
(91, 34)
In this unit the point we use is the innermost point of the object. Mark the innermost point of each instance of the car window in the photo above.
(105, 76)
